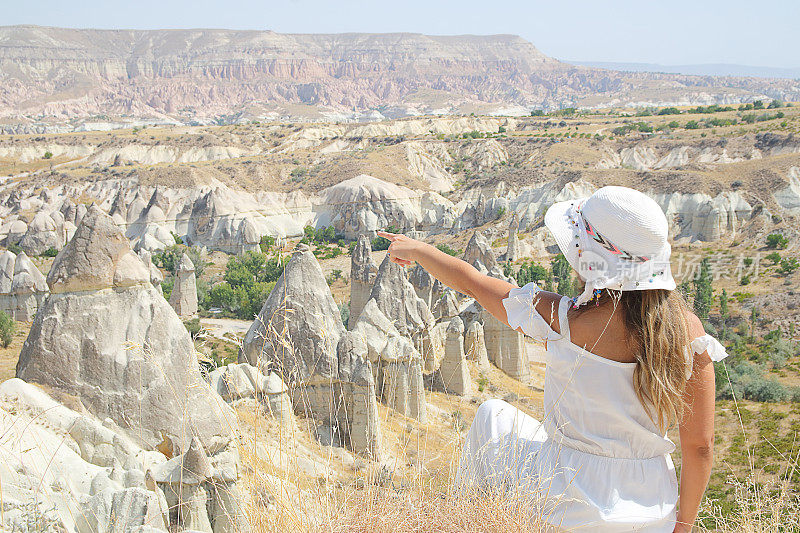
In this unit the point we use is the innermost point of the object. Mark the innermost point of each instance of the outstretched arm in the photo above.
(459, 275)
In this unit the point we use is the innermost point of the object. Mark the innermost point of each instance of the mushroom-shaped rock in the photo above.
(397, 363)
(479, 252)
(183, 481)
(453, 369)
(106, 337)
(299, 325)
(298, 334)
(422, 282)
(505, 347)
(28, 289)
(475, 345)
(397, 299)
(184, 293)
(446, 306)
(98, 257)
(362, 275)
(512, 251)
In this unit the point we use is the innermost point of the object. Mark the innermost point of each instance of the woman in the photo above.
(626, 360)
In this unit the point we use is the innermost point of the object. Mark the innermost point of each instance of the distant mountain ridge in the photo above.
(204, 75)
(703, 69)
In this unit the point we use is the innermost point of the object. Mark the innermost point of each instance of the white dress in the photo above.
(596, 462)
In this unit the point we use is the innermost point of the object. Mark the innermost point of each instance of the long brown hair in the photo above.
(656, 322)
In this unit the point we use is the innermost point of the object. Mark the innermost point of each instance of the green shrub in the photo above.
(333, 276)
(775, 257)
(14, 248)
(344, 313)
(449, 251)
(380, 243)
(777, 241)
(193, 327)
(167, 285)
(788, 265)
(747, 381)
(50, 252)
(7, 328)
(47, 155)
(266, 243)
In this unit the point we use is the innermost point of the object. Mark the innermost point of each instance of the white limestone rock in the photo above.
(362, 276)
(298, 335)
(453, 369)
(184, 292)
(107, 338)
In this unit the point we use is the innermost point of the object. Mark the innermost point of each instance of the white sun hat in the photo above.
(617, 238)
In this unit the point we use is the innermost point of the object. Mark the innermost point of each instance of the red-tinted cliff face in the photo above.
(206, 73)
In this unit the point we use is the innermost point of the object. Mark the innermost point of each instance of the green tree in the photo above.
(777, 241)
(775, 257)
(754, 314)
(266, 244)
(7, 328)
(788, 265)
(562, 275)
(703, 291)
(724, 312)
(758, 104)
(446, 249)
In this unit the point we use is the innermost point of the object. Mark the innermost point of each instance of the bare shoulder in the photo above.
(694, 325)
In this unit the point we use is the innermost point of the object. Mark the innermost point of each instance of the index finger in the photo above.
(386, 235)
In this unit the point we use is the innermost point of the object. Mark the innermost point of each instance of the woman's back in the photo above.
(590, 403)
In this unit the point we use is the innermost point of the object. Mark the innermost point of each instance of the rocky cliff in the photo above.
(190, 75)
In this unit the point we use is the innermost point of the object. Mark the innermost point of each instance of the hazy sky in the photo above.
(763, 33)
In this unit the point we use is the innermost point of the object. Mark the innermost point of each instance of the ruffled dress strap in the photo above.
(563, 324)
(522, 314)
(704, 343)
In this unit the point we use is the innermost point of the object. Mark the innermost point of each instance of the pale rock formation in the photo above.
(788, 198)
(362, 275)
(505, 347)
(184, 293)
(107, 338)
(512, 250)
(701, 217)
(22, 287)
(235, 382)
(429, 166)
(7, 259)
(397, 299)
(479, 254)
(475, 345)
(156, 277)
(201, 491)
(422, 282)
(446, 306)
(299, 335)
(453, 368)
(216, 221)
(66, 471)
(46, 230)
(363, 205)
(396, 363)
